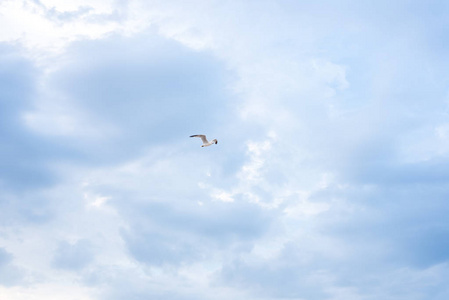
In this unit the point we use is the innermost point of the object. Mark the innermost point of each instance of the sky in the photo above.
(330, 179)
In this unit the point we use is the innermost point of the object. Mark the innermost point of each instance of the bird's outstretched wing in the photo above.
(202, 137)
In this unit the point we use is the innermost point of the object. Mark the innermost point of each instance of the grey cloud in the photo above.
(298, 272)
(22, 154)
(129, 288)
(426, 247)
(390, 242)
(10, 275)
(5, 257)
(73, 256)
(161, 249)
(17, 210)
(433, 172)
(408, 222)
(161, 234)
(151, 89)
(272, 280)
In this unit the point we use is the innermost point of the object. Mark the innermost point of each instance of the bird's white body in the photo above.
(205, 141)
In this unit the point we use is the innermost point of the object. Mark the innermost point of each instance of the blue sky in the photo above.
(330, 179)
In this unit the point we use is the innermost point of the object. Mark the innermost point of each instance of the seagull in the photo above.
(205, 141)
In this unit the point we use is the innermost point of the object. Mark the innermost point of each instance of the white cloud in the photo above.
(251, 171)
(47, 27)
(48, 291)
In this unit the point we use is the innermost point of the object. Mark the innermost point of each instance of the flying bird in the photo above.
(205, 141)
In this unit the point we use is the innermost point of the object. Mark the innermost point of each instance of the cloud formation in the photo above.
(329, 182)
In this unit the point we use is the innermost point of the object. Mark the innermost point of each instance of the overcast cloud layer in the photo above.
(330, 179)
